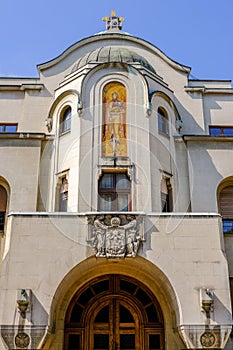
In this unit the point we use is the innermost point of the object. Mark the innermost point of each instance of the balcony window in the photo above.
(8, 128)
(114, 192)
(221, 130)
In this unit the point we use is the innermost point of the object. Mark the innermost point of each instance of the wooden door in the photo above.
(114, 312)
(114, 326)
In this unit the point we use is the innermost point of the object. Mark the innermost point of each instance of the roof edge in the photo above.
(118, 36)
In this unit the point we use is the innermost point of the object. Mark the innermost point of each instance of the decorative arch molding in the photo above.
(124, 68)
(90, 269)
(118, 38)
(120, 75)
(226, 182)
(171, 103)
(5, 184)
(49, 119)
(4, 203)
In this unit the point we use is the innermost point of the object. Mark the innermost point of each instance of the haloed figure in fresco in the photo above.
(114, 133)
(115, 114)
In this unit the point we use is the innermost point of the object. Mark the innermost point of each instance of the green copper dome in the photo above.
(109, 54)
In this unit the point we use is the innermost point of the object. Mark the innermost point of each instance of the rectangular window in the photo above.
(163, 121)
(227, 225)
(2, 220)
(105, 203)
(231, 290)
(8, 127)
(221, 130)
(74, 342)
(65, 120)
(166, 195)
(62, 193)
(154, 341)
(114, 192)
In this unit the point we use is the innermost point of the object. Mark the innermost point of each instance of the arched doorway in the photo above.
(114, 312)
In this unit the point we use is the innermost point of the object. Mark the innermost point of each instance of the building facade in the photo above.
(116, 194)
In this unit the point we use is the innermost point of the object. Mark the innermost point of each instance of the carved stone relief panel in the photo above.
(115, 236)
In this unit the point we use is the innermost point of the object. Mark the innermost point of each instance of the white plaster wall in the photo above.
(218, 110)
(209, 164)
(42, 249)
(20, 167)
(11, 104)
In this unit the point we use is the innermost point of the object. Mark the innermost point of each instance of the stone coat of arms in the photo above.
(111, 238)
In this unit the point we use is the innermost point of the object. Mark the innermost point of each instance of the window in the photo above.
(65, 120)
(114, 192)
(8, 127)
(221, 130)
(108, 313)
(163, 121)
(226, 208)
(63, 193)
(3, 203)
(166, 195)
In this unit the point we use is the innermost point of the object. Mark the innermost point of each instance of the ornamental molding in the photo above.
(205, 336)
(22, 340)
(115, 235)
(208, 339)
(26, 337)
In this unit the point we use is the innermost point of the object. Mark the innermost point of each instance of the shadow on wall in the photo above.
(31, 323)
(204, 176)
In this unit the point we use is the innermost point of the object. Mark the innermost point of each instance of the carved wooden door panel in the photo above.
(115, 326)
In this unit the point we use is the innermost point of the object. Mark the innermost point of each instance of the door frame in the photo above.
(138, 299)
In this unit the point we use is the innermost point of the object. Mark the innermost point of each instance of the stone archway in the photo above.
(138, 269)
(114, 312)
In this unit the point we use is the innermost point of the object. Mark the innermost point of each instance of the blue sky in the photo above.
(195, 33)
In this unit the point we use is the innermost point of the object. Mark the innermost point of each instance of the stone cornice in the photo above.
(203, 90)
(174, 215)
(205, 138)
(25, 136)
(21, 87)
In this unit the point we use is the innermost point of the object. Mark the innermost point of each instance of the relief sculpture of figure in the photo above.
(99, 238)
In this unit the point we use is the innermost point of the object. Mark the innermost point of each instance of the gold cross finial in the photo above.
(113, 22)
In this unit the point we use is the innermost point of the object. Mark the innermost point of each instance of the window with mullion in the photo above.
(226, 208)
(65, 120)
(8, 127)
(114, 192)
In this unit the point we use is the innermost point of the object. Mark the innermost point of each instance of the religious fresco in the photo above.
(114, 130)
